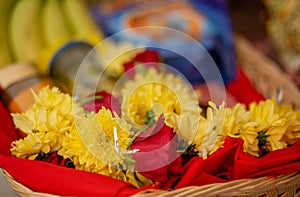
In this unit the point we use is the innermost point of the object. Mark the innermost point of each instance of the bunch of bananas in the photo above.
(32, 30)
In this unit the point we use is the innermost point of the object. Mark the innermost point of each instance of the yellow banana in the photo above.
(5, 54)
(24, 31)
(80, 21)
(54, 24)
(55, 31)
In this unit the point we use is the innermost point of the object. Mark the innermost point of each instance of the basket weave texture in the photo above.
(21, 189)
(268, 79)
(284, 185)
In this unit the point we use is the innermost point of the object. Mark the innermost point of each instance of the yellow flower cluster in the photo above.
(161, 93)
(90, 146)
(211, 131)
(277, 125)
(56, 123)
(37, 143)
(265, 127)
(45, 123)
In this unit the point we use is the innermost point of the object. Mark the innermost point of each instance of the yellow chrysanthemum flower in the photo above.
(37, 143)
(45, 123)
(221, 122)
(211, 133)
(292, 133)
(239, 116)
(271, 127)
(242, 127)
(107, 123)
(112, 56)
(187, 125)
(52, 111)
(90, 145)
(157, 93)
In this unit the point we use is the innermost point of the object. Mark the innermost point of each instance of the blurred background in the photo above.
(36, 37)
(273, 28)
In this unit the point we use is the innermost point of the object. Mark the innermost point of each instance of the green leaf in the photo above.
(262, 138)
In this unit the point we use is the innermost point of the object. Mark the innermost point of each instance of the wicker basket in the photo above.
(21, 189)
(268, 79)
(284, 185)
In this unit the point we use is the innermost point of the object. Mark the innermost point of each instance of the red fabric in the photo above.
(48, 178)
(274, 163)
(231, 163)
(158, 159)
(242, 89)
(199, 171)
(7, 131)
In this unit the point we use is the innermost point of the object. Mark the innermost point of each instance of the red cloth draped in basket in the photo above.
(230, 163)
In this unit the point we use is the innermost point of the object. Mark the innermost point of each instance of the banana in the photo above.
(54, 25)
(80, 21)
(5, 54)
(24, 31)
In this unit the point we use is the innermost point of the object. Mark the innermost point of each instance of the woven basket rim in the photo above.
(21, 189)
(243, 187)
(284, 184)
